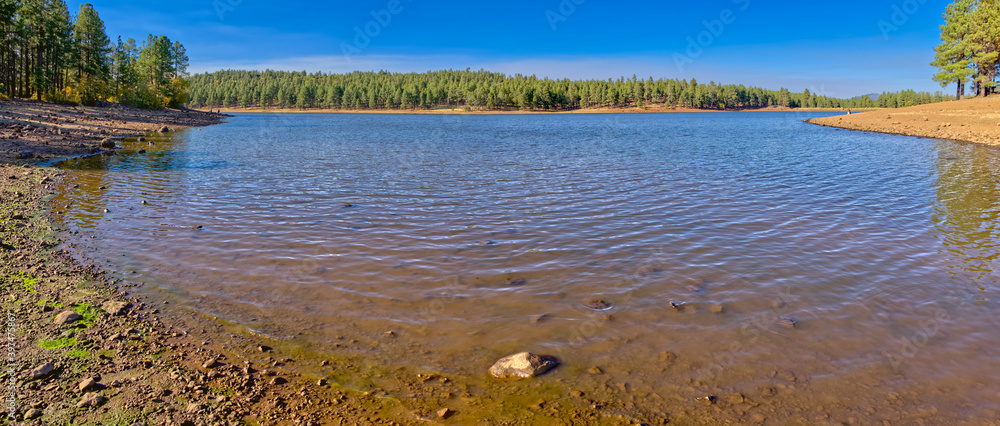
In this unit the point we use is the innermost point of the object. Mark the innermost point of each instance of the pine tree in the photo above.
(93, 68)
(8, 38)
(179, 60)
(985, 35)
(953, 56)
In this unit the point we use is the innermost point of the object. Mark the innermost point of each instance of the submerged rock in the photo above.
(786, 322)
(515, 281)
(108, 143)
(523, 365)
(164, 129)
(597, 305)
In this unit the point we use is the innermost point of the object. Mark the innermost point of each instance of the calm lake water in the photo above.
(474, 237)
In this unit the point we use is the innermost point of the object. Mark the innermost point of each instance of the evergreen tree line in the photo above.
(484, 90)
(970, 46)
(50, 55)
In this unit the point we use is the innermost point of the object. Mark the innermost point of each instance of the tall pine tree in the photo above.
(985, 36)
(93, 63)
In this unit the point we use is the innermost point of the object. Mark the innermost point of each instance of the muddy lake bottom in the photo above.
(787, 271)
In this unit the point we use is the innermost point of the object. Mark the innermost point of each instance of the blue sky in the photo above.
(842, 49)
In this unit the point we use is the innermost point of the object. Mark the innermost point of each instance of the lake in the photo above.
(790, 271)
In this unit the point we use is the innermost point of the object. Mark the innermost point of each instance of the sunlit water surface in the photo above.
(459, 233)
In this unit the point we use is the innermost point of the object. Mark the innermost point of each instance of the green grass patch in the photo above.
(58, 343)
(90, 313)
(49, 302)
(77, 353)
(27, 282)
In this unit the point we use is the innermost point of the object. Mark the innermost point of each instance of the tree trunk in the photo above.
(960, 93)
(991, 75)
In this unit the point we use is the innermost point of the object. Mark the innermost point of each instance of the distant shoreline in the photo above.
(974, 120)
(459, 111)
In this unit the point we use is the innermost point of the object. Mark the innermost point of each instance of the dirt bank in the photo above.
(971, 120)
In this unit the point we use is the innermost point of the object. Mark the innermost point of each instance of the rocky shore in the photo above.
(32, 132)
(971, 120)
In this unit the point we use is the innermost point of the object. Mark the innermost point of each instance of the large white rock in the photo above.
(524, 365)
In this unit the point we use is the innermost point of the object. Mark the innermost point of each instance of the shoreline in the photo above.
(88, 347)
(458, 111)
(975, 120)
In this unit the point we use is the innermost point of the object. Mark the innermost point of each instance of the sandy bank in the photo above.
(971, 120)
